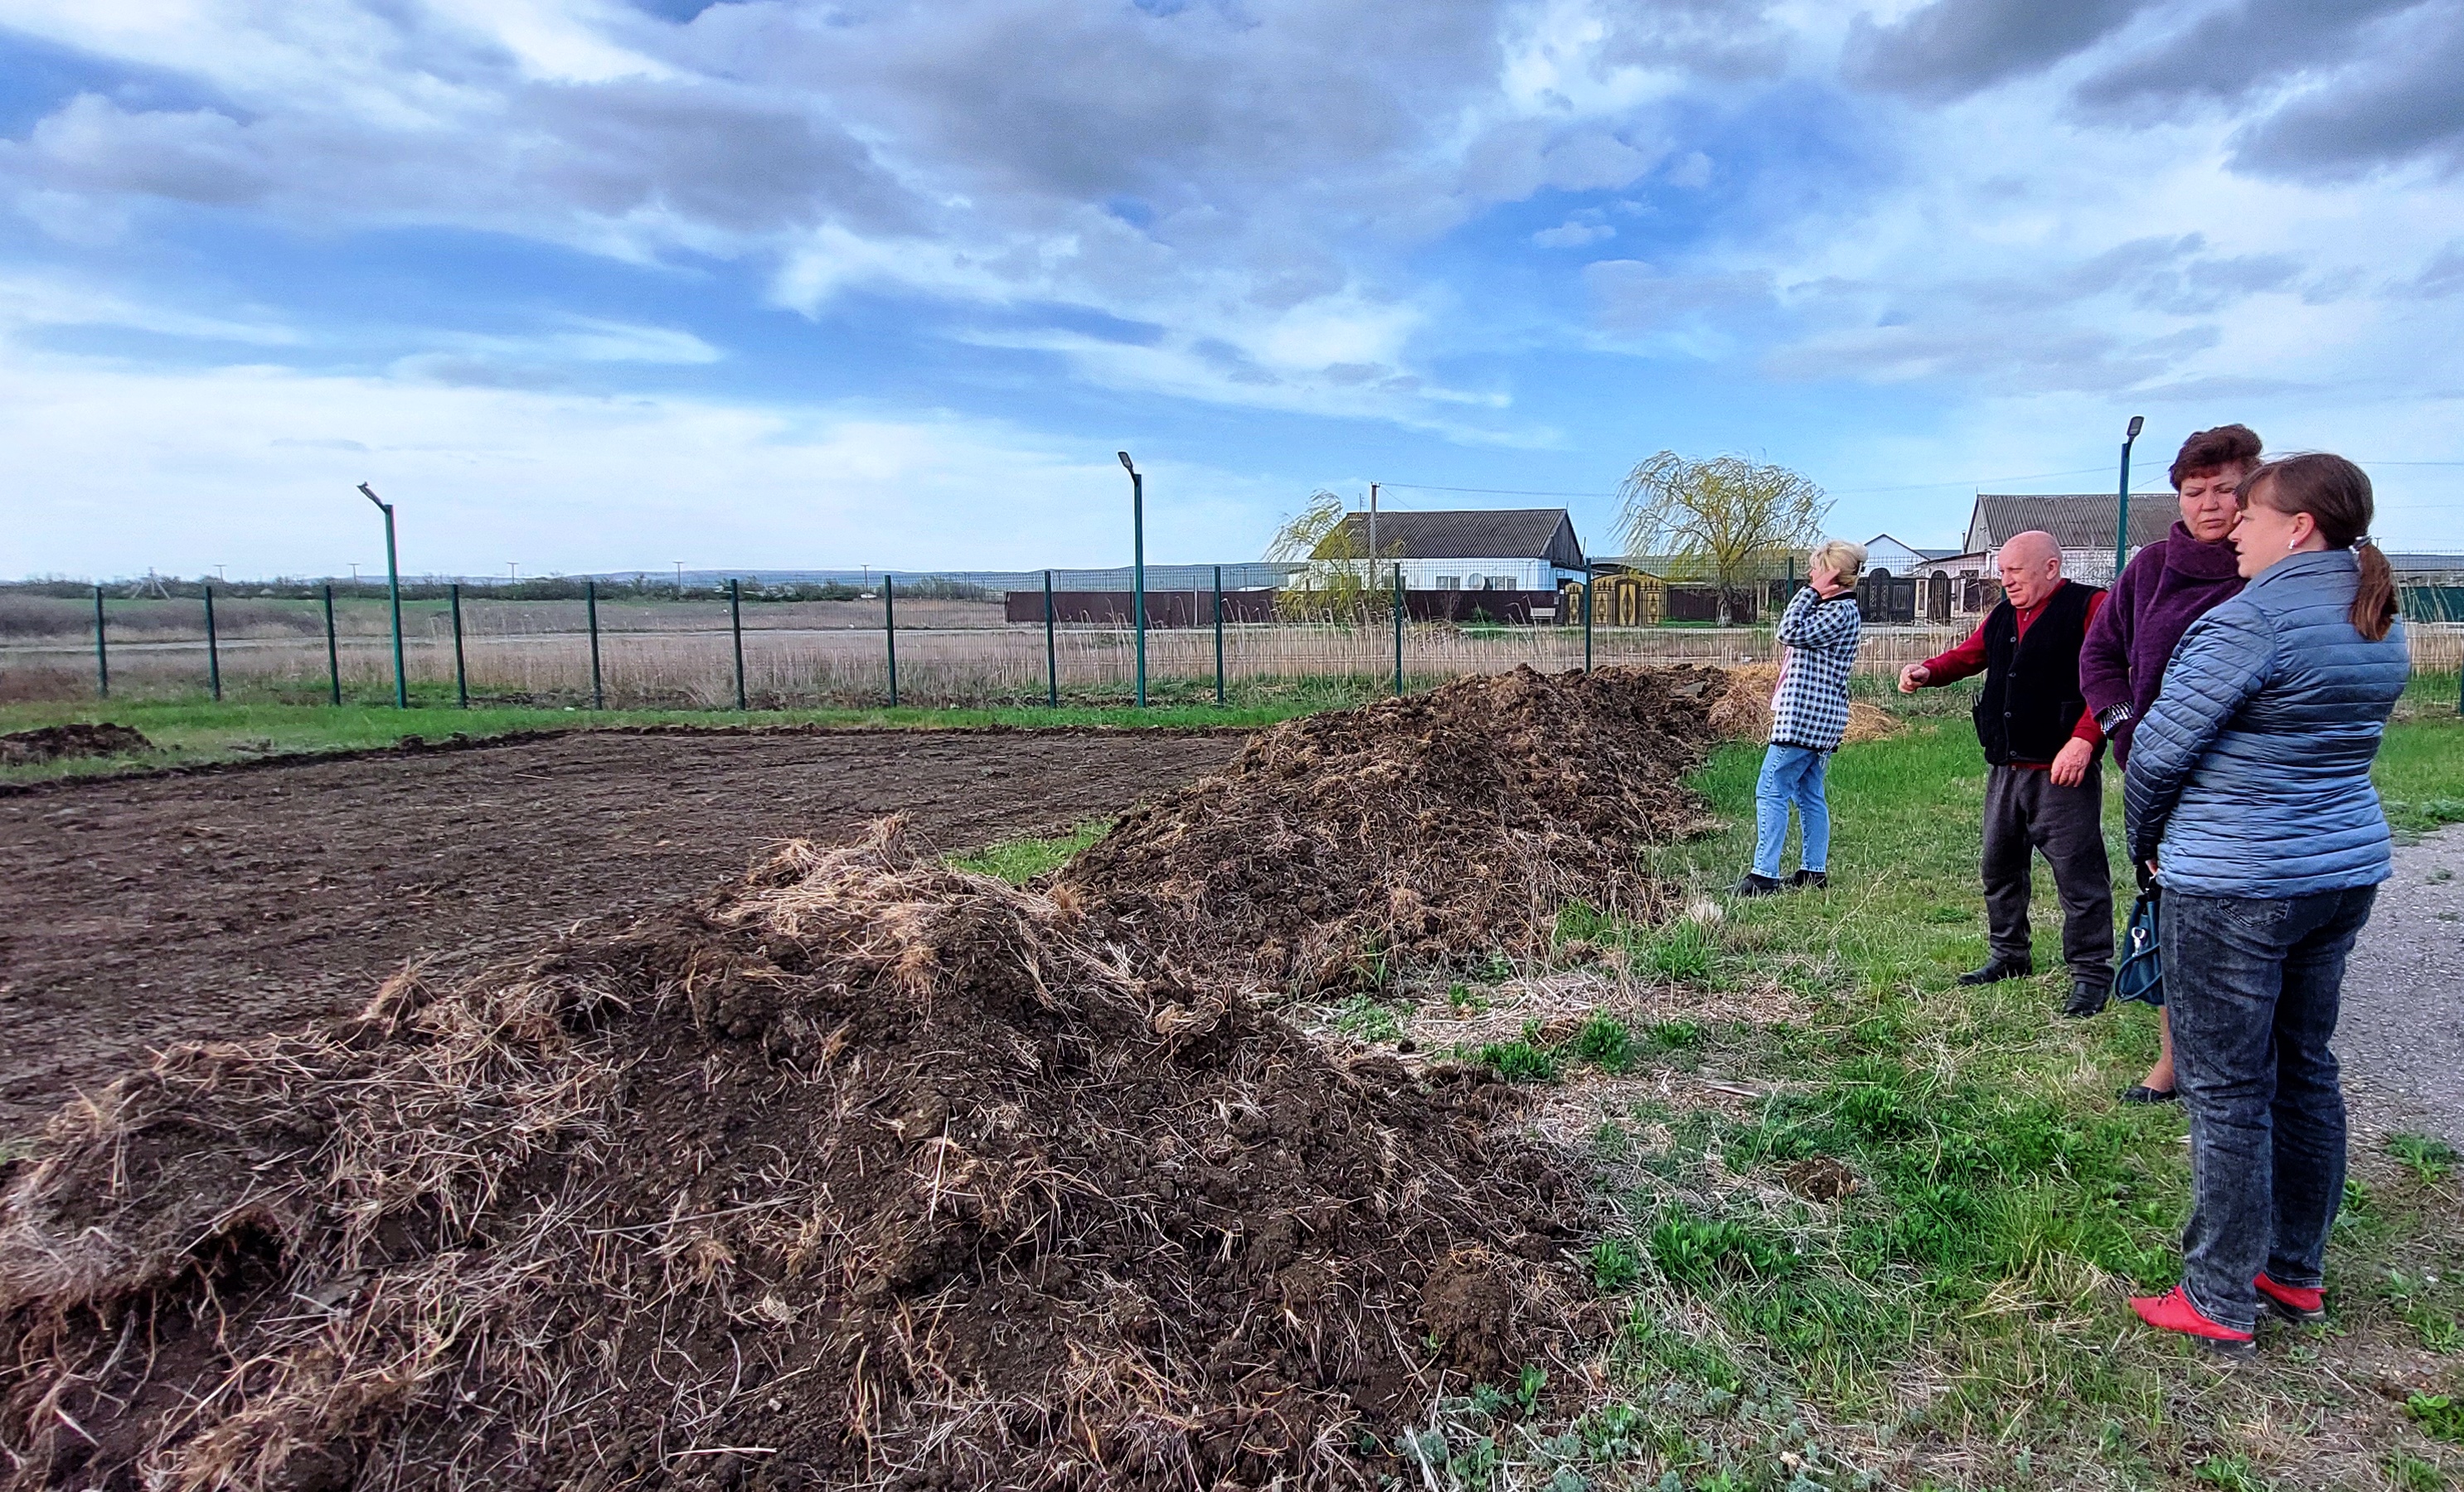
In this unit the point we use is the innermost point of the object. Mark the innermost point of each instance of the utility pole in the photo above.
(394, 587)
(1138, 568)
(680, 579)
(2121, 521)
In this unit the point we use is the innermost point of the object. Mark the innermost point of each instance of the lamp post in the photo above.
(394, 587)
(2121, 520)
(1138, 568)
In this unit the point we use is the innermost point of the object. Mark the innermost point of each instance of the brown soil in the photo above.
(865, 1172)
(218, 905)
(52, 742)
(860, 1171)
(1426, 830)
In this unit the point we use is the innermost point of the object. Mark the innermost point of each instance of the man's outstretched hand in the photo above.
(2070, 764)
(1914, 677)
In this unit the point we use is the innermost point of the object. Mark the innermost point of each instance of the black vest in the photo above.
(2031, 701)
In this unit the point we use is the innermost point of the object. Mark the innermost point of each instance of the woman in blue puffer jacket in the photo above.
(2248, 787)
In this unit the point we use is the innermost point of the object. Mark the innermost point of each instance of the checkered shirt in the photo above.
(1811, 707)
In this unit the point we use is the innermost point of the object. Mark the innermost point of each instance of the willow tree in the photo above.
(1727, 520)
(1340, 579)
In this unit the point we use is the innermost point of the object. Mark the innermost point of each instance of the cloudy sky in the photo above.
(585, 284)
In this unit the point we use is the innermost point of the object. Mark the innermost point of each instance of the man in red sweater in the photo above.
(2044, 791)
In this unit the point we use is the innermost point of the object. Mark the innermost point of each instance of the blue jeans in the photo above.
(1791, 775)
(2254, 986)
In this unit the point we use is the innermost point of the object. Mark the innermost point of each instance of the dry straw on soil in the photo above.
(861, 1172)
(1743, 713)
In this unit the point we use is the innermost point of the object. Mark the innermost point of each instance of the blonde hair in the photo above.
(1839, 555)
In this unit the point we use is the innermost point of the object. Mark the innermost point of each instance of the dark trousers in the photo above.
(2025, 813)
(2254, 984)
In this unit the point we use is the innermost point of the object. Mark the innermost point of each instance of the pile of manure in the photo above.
(863, 1171)
(1433, 829)
(78, 739)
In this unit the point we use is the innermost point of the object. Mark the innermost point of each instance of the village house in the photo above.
(2081, 523)
(1473, 549)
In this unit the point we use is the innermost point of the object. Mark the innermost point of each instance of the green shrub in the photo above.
(1680, 951)
(2431, 1160)
(1694, 1250)
(2440, 1414)
(1605, 1043)
(1521, 1062)
(1616, 1266)
(1675, 1033)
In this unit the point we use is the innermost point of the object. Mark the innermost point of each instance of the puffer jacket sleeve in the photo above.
(2224, 658)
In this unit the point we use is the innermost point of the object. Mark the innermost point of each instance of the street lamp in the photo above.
(1138, 566)
(394, 587)
(2122, 523)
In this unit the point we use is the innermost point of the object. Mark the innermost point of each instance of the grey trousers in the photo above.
(2025, 813)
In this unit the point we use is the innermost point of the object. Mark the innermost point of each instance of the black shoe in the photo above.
(2086, 1000)
(2142, 1094)
(1997, 970)
(1755, 885)
(1813, 878)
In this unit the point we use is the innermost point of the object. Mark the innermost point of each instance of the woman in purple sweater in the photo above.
(2167, 587)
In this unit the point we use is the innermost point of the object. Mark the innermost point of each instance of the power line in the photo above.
(1492, 491)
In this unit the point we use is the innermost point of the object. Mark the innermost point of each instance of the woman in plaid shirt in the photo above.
(1817, 635)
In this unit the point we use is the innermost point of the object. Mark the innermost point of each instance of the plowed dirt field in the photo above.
(137, 913)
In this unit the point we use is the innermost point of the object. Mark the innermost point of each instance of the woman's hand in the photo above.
(1826, 583)
(1915, 676)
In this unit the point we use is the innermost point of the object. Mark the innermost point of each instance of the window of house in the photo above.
(1475, 582)
(1449, 582)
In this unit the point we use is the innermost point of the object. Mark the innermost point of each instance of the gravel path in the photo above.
(2402, 1033)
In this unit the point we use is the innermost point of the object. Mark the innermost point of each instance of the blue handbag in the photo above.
(2142, 974)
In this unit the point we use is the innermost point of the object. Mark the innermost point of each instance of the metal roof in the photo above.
(1468, 534)
(2077, 521)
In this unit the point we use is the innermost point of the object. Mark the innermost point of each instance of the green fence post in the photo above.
(1587, 616)
(461, 672)
(590, 605)
(1398, 629)
(1219, 634)
(1052, 653)
(101, 653)
(214, 649)
(890, 632)
(735, 626)
(333, 649)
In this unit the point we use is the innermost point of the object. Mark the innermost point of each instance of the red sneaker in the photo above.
(2291, 1302)
(2172, 1311)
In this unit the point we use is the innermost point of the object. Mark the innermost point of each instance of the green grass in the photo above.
(191, 732)
(1018, 861)
(1957, 1318)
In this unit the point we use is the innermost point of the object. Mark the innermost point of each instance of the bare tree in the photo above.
(1342, 581)
(1727, 520)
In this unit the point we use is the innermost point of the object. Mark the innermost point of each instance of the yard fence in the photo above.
(725, 649)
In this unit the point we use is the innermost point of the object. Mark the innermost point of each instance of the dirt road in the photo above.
(2402, 1032)
(137, 913)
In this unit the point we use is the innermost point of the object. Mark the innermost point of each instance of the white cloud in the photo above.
(33, 300)
(255, 466)
(1571, 234)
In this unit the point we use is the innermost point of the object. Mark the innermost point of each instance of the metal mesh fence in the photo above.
(682, 654)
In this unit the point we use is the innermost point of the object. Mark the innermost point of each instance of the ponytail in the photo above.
(2374, 604)
(2336, 493)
